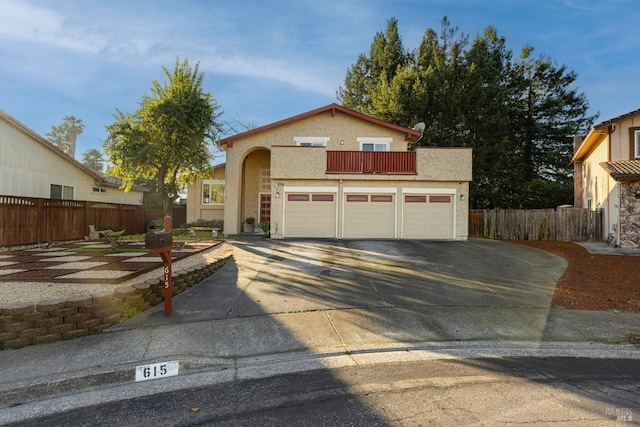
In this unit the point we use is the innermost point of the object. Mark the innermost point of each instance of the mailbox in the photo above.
(158, 239)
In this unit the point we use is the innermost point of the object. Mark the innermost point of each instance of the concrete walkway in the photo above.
(288, 306)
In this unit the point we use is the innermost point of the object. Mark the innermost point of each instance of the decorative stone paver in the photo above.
(66, 264)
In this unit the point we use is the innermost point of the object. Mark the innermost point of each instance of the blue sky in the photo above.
(269, 60)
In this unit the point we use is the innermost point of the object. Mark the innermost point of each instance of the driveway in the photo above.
(294, 276)
(290, 306)
(371, 292)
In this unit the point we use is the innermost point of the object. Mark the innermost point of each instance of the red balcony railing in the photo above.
(375, 162)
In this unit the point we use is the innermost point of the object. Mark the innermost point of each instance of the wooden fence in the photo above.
(26, 220)
(564, 224)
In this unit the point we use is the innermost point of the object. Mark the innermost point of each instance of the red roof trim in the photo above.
(331, 107)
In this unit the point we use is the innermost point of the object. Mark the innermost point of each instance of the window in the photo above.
(439, 199)
(298, 197)
(322, 197)
(311, 141)
(415, 199)
(63, 192)
(99, 190)
(369, 146)
(374, 144)
(357, 198)
(634, 143)
(381, 198)
(265, 178)
(212, 192)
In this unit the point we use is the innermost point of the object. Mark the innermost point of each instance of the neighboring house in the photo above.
(607, 176)
(336, 173)
(31, 166)
(205, 197)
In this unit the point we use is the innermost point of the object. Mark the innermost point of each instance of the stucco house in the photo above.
(31, 166)
(205, 197)
(336, 173)
(607, 176)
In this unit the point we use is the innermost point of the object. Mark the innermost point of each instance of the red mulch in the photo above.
(594, 281)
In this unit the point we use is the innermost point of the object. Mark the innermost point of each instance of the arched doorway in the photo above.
(256, 186)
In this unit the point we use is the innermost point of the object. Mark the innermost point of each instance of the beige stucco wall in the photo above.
(338, 127)
(293, 166)
(28, 168)
(195, 208)
(255, 162)
(432, 164)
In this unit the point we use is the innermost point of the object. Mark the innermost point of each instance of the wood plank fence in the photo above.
(563, 224)
(27, 220)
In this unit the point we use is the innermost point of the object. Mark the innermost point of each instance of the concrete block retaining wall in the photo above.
(51, 321)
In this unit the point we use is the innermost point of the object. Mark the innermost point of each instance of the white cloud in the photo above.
(24, 22)
(155, 39)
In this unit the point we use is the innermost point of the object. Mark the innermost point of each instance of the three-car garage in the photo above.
(363, 212)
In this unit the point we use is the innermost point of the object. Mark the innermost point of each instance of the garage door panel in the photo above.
(373, 217)
(428, 216)
(310, 216)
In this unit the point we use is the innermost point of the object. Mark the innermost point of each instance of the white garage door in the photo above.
(427, 216)
(311, 214)
(369, 216)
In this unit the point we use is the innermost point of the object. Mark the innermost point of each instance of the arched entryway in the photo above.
(255, 188)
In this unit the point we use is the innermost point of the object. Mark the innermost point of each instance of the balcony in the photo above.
(371, 162)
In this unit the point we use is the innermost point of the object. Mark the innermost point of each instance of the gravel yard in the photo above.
(87, 281)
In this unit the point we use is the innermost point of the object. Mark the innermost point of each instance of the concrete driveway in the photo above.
(290, 306)
(298, 294)
(297, 276)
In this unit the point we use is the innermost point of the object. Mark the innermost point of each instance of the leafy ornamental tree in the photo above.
(167, 139)
(519, 115)
(66, 135)
(93, 158)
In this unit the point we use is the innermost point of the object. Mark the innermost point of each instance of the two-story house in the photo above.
(336, 173)
(607, 176)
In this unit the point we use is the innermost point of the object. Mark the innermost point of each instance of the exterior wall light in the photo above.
(277, 194)
(462, 197)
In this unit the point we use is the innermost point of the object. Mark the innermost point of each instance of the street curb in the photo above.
(19, 402)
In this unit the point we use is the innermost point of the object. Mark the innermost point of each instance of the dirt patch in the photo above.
(594, 281)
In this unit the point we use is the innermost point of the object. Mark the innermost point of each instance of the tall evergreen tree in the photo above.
(441, 67)
(371, 74)
(519, 116)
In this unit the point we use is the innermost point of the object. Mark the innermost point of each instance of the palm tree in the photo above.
(72, 127)
(94, 159)
(65, 135)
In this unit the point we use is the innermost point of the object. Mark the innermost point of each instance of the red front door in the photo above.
(265, 208)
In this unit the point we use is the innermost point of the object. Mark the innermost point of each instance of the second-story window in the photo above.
(311, 141)
(374, 144)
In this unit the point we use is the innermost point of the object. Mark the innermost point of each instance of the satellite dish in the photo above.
(420, 127)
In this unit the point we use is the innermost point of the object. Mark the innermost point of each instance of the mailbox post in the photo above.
(161, 242)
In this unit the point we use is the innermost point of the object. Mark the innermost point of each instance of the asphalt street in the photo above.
(286, 307)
